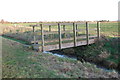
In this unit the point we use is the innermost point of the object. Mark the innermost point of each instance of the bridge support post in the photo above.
(42, 35)
(98, 30)
(74, 32)
(76, 29)
(63, 27)
(50, 35)
(87, 32)
(34, 35)
(60, 38)
(64, 30)
(49, 28)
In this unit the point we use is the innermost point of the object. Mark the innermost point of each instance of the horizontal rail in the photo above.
(63, 39)
(67, 31)
(53, 24)
(61, 30)
(52, 32)
(66, 45)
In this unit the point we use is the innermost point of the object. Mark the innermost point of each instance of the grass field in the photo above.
(19, 62)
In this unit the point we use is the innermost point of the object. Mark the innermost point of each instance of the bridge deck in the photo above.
(64, 45)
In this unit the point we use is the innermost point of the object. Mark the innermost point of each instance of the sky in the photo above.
(58, 10)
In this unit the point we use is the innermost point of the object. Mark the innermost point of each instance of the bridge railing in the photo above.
(64, 35)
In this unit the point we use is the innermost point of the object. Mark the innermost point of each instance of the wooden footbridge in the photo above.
(54, 36)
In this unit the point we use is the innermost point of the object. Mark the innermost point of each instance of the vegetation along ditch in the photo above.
(104, 53)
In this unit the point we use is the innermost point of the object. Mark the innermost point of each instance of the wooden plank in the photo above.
(68, 31)
(79, 30)
(78, 23)
(51, 47)
(79, 43)
(60, 38)
(74, 33)
(42, 34)
(52, 32)
(52, 24)
(66, 23)
(91, 41)
(87, 33)
(68, 39)
(64, 39)
(98, 30)
(34, 25)
(94, 29)
(65, 45)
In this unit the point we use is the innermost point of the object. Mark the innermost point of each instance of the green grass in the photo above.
(107, 45)
(17, 62)
(21, 63)
(109, 29)
(21, 41)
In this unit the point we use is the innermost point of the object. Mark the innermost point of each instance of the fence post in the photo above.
(49, 28)
(74, 33)
(76, 29)
(64, 30)
(87, 32)
(60, 39)
(34, 34)
(98, 30)
(42, 35)
(63, 27)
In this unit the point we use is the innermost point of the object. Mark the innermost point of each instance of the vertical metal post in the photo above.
(87, 33)
(60, 39)
(74, 33)
(42, 35)
(98, 30)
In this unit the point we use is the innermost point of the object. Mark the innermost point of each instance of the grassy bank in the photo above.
(103, 50)
(17, 62)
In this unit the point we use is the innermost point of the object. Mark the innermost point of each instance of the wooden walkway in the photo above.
(61, 43)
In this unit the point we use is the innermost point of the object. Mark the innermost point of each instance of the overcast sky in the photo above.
(58, 10)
